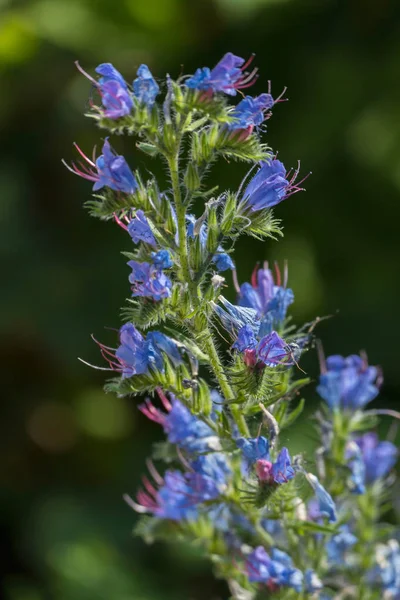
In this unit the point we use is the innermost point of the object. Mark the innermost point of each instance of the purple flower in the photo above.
(326, 505)
(274, 571)
(110, 170)
(162, 259)
(145, 87)
(379, 457)
(250, 112)
(209, 479)
(114, 92)
(136, 355)
(253, 449)
(227, 76)
(139, 229)
(269, 186)
(148, 281)
(347, 383)
(271, 300)
(273, 351)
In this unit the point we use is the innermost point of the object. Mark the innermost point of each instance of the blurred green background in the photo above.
(68, 451)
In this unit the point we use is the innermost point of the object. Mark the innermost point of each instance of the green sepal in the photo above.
(147, 148)
(191, 178)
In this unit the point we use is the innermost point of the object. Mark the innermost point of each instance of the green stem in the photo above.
(195, 295)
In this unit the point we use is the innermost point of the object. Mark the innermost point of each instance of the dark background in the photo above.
(69, 452)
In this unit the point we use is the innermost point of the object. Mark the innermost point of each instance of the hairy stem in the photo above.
(195, 294)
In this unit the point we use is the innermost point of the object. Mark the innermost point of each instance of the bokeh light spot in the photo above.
(17, 40)
(154, 14)
(52, 427)
(103, 416)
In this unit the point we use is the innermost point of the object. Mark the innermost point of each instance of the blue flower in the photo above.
(250, 112)
(347, 383)
(269, 186)
(379, 457)
(386, 573)
(109, 73)
(136, 355)
(227, 76)
(114, 92)
(110, 170)
(282, 299)
(275, 571)
(145, 88)
(234, 317)
(312, 582)
(327, 506)
(139, 229)
(338, 545)
(182, 427)
(282, 470)
(114, 172)
(162, 259)
(243, 324)
(148, 281)
(253, 449)
(223, 261)
(270, 300)
(166, 345)
(175, 500)
(356, 465)
(246, 340)
(188, 431)
(210, 476)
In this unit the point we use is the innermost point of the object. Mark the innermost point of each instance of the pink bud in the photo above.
(264, 470)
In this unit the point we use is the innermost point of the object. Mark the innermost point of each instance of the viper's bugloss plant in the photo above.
(223, 379)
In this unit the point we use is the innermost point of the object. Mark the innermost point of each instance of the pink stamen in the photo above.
(102, 345)
(278, 274)
(167, 404)
(254, 275)
(78, 66)
(134, 505)
(149, 487)
(119, 222)
(86, 158)
(321, 357)
(235, 281)
(285, 273)
(154, 473)
(280, 98)
(248, 62)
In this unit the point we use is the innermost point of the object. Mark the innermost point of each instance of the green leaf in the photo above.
(290, 418)
(304, 527)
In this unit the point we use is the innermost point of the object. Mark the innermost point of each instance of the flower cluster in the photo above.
(230, 483)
